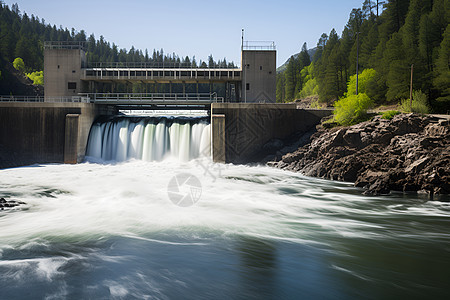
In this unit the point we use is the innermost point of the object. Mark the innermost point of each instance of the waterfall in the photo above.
(121, 138)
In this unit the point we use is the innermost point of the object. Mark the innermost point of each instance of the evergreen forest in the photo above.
(22, 40)
(387, 39)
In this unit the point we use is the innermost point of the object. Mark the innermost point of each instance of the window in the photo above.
(270, 72)
(247, 86)
(58, 66)
(260, 68)
(72, 85)
(73, 71)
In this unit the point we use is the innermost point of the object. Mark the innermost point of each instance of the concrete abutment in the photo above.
(46, 132)
(239, 131)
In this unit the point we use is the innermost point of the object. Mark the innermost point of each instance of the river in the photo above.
(101, 230)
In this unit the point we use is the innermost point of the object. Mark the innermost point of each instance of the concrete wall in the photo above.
(248, 127)
(218, 139)
(62, 66)
(259, 75)
(45, 132)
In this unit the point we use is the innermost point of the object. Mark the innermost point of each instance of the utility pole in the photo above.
(411, 88)
(242, 40)
(357, 60)
(377, 8)
(378, 5)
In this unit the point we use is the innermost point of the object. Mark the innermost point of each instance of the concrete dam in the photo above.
(57, 127)
(58, 133)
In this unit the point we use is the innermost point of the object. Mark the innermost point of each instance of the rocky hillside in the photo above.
(408, 153)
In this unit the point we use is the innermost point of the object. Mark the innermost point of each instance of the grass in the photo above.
(388, 115)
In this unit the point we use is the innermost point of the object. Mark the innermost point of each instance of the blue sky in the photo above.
(198, 27)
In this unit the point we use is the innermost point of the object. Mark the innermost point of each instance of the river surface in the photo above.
(110, 230)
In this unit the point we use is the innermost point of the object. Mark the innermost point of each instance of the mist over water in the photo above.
(109, 230)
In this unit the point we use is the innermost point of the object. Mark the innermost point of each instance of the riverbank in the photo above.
(410, 152)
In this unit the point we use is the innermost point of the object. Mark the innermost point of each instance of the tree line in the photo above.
(388, 40)
(23, 36)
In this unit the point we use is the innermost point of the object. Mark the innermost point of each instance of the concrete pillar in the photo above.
(71, 139)
(218, 138)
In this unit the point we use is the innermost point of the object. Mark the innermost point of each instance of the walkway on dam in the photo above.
(151, 101)
(158, 73)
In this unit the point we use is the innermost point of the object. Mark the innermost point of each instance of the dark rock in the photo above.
(408, 153)
(8, 204)
(417, 166)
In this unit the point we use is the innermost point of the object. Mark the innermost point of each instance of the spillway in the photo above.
(121, 138)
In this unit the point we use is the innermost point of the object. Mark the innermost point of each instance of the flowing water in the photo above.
(149, 138)
(101, 230)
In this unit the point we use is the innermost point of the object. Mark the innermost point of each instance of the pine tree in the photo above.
(280, 90)
(304, 58)
(211, 63)
(398, 72)
(290, 79)
(442, 71)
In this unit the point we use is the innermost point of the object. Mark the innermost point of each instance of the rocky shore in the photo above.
(410, 152)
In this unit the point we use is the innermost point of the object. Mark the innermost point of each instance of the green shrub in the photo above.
(364, 79)
(37, 77)
(310, 88)
(352, 109)
(19, 65)
(419, 103)
(388, 115)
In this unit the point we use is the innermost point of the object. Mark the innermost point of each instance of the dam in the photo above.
(56, 127)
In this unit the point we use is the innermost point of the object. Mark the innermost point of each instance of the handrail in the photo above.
(136, 98)
(258, 45)
(64, 45)
(73, 99)
(124, 98)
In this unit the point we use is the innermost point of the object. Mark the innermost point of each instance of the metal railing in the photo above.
(123, 98)
(155, 65)
(72, 99)
(258, 45)
(137, 98)
(64, 45)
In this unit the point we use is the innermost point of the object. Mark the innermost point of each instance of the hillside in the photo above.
(406, 33)
(283, 67)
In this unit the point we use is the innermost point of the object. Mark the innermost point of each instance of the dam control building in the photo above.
(68, 74)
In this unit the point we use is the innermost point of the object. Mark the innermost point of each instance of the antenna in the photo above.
(242, 43)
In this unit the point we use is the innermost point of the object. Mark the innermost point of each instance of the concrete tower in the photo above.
(258, 63)
(62, 69)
